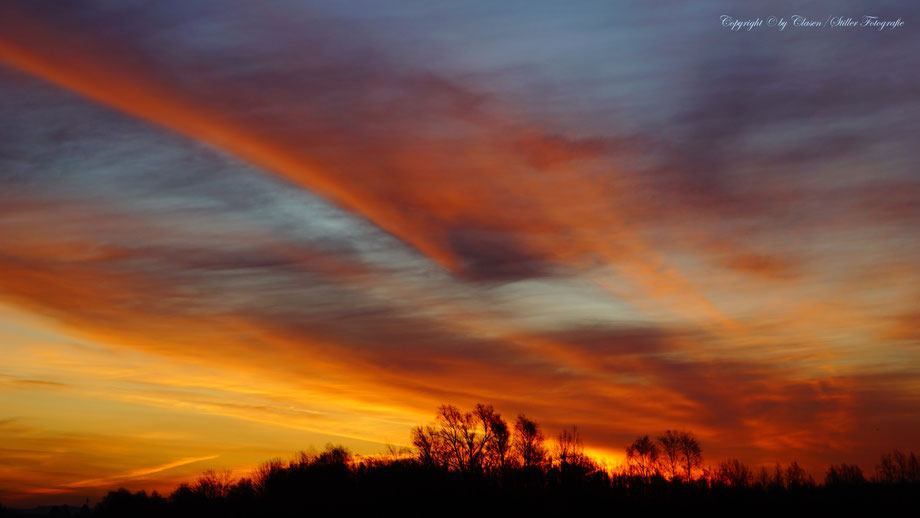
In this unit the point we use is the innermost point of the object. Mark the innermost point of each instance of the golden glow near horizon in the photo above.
(217, 248)
(103, 416)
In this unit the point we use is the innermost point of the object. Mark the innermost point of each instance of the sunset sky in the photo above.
(234, 230)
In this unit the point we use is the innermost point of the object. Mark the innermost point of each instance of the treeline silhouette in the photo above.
(476, 462)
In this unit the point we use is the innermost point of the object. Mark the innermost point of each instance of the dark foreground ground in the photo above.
(317, 488)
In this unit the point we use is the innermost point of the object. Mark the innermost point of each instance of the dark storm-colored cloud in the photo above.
(602, 341)
(495, 256)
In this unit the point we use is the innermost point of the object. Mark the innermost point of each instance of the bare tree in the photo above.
(463, 441)
(465, 435)
(427, 442)
(762, 479)
(262, 474)
(569, 449)
(735, 474)
(454, 426)
(488, 422)
(213, 485)
(499, 449)
(844, 475)
(795, 476)
(898, 467)
(643, 456)
(691, 453)
(529, 442)
(682, 452)
(670, 447)
(779, 479)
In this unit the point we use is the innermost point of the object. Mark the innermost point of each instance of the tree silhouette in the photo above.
(472, 462)
(499, 448)
(898, 466)
(642, 457)
(212, 484)
(691, 453)
(844, 475)
(465, 435)
(529, 443)
(777, 480)
(427, 442)
(670, 446)
(569, 449)
(796, 476)
(463, 441)
(333, 455)
(735, 474)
